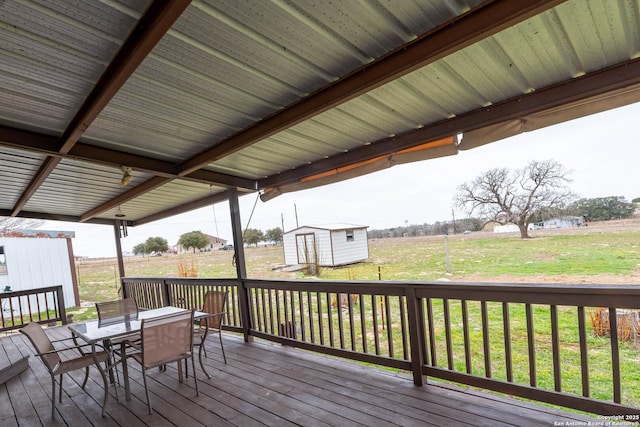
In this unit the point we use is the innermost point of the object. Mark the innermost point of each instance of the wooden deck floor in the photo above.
(262, 384)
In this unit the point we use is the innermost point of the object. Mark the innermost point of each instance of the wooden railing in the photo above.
(42, 305)
(536, 341)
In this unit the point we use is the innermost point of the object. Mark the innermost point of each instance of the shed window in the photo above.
(3, 262)
(350, 235)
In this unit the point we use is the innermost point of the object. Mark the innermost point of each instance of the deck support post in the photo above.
(241, 268)
(416, 335)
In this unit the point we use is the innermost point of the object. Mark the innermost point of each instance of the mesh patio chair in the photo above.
(214, 304)
(117, 311)
(164, 340)
(57, 365)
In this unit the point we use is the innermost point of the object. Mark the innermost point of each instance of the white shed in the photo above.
(326, 245)
(32, 259)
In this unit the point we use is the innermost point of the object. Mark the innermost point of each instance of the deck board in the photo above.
(263, 384)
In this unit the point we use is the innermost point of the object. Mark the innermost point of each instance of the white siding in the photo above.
(332, 245)
(345, 252)
(37, 263)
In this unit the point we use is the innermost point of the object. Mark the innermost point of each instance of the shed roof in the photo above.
(196, 97)
(330, 227)
(42, 234)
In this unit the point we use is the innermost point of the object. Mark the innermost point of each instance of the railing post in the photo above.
(416, 335)
(61, 309)
(166, 299)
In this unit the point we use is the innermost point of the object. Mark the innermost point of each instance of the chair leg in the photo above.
(60, 391)
(53, 396)
(193, 366)
(146, 389)
(222, 346)
(200, 350)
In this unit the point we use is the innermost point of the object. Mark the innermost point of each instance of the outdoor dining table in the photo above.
(95, 332)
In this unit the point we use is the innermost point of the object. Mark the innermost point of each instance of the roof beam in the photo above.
(44, 144)
(614, 78)
(479, 23)
(151, 27)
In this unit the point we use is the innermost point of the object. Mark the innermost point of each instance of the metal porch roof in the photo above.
(202, 96)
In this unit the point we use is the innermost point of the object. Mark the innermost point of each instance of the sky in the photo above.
(601, 151)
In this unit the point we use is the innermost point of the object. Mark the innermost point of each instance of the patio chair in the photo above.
(164, 340)
(118, 311)
(214, 304)
(56, 365)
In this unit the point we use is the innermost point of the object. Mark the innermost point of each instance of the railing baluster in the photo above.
(486, 345)
(447, 330)
(311, 317)
(387, 308)
(340, 320)
(432, 334)
(465, 331)
(403, 328)
(352, 332)
(303, 328)
(374, 312)
(615, 353)
(531, 345)
(363, 324)
(584, 359)
(330, 319)
(506, 326)
(555, 345)
(320, 318)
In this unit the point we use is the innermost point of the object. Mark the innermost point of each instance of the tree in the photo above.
(140, 249)
(193, 239)
(156, 244)
(252, 236)
(499, 195)
(603, 208)
(274, 235)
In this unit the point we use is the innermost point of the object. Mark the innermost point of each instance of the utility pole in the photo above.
(453, 215)
(295, 208)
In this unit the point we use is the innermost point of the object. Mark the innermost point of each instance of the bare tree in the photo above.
(539, 190)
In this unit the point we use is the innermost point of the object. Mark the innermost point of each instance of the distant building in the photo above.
(549, 224)
(214, 244)
(32, 259)
(326, 245)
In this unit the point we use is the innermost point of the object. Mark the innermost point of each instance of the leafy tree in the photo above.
(156, 244)
(252, 236)
(517, 197)
(140, 249)
(274, 235)
(636, 200)
(603, 208)
(193, 239)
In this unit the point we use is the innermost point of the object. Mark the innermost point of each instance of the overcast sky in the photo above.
(602, 152)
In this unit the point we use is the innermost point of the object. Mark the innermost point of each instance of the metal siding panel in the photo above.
(37, 262)
(72, 41)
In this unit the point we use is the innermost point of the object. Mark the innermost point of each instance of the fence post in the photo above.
(416, 337)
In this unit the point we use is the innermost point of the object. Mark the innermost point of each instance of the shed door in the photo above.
(306, 246)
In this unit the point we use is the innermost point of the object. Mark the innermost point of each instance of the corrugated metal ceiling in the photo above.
(252, 94)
